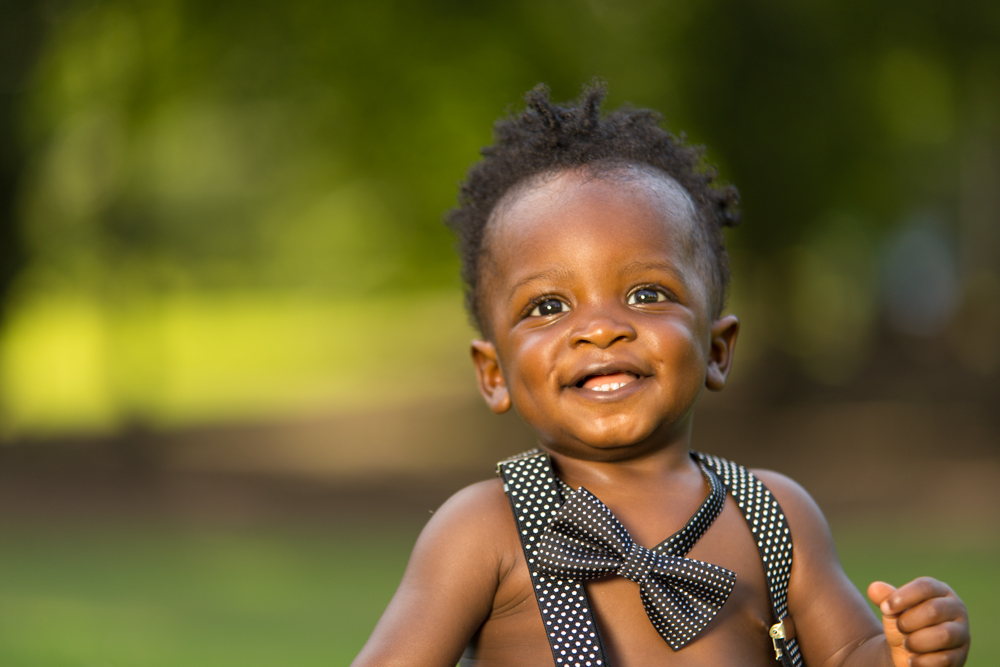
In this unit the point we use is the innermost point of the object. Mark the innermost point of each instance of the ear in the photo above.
(720, 357)
(491, 383)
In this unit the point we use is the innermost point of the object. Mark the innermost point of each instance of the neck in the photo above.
(662, 455)
(657, 466)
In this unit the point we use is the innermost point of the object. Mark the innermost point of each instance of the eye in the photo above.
(548, 307)
(646, 295)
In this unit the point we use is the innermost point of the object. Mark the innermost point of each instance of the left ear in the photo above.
(491, 383)
(720, 356)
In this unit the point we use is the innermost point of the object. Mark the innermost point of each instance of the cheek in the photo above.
(530, 361)
(527, 384)
(680, 350)
(535, 360)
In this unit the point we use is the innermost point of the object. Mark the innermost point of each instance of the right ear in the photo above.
(491, 383)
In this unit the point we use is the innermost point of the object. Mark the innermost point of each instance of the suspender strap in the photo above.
(534, 494)
(774, 542)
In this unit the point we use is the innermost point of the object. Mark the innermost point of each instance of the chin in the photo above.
(630, 437)
(612, 441)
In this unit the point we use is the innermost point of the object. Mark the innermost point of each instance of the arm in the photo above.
(924, 623)
(448, 588)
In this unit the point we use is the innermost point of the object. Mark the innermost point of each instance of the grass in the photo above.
(180, 596)
(151, 598)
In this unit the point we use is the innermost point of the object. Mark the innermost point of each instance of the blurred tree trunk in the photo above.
(21, 31)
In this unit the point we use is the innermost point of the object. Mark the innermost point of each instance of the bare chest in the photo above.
(514, 635)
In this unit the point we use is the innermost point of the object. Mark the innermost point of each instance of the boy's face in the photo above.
(601, 332)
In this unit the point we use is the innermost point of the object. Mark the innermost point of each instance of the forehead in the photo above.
(639, 184)
(628, 205)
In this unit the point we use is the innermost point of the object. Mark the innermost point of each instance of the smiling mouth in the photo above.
(609, 382)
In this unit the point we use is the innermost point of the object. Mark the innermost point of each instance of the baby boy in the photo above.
(596, 272)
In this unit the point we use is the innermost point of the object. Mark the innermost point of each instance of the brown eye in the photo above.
(645, 295)
(549, 307)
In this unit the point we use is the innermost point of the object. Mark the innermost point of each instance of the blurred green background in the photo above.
(233, 361)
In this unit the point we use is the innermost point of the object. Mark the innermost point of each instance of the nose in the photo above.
(602, 328)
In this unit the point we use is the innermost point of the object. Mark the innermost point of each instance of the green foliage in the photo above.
(227, 143)
(212, 148)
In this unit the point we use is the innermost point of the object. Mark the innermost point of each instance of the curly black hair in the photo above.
(546, 138)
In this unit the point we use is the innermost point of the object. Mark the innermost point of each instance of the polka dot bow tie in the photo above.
(681, 596)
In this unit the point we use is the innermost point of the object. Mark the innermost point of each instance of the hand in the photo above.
(926, 624)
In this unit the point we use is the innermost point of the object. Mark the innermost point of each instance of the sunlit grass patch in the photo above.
(72, 364)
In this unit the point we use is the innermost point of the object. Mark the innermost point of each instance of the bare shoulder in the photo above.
(479, 509)
(450, 582)
(830, 616)
(487, 495)
(804, 516)
(475, 523)
(811, 537)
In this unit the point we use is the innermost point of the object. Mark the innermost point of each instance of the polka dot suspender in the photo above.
(535, 494)
(774, 541)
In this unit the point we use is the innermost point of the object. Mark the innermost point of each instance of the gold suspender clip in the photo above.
(777, 632)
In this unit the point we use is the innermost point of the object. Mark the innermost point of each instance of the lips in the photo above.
(608, 382)
(607, 376)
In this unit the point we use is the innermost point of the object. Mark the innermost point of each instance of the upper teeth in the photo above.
(609, 387)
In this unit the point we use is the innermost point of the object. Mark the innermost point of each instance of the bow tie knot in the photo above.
(681, 596)
(638, 564)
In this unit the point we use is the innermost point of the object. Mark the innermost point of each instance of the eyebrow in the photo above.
(541, 275)
(639, 267)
